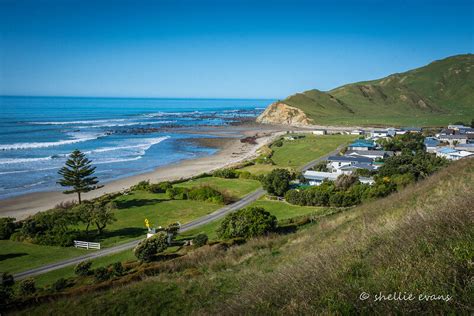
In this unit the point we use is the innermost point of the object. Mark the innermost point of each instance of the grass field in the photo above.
(18, 256)
(236, 188)
(298, 152)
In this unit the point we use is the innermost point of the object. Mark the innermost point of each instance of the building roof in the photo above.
(370, 152)
(350, 159)
(359, 166)
(431, 142)
(319, 175)
(447, 150)
(411, 129)
(363, 143)
(458, 136)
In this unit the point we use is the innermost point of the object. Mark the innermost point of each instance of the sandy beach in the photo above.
(231, 151)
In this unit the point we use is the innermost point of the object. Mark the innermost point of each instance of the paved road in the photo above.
(325, 157)
(246, 200)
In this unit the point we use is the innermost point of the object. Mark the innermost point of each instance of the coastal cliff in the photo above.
(281, 113)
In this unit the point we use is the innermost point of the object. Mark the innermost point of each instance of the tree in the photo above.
(83, 268)
(247, 223)
(200, 240)
(277, 182)
(345, 181)
(148, 248)
(103, 214)
(27, 286)
(321, 166)
(78, 174)
(7, 227)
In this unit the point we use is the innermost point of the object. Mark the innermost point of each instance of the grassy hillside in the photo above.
(437, 94)
(417, 241)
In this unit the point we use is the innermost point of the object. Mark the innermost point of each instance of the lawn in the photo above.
(17, 256)
(298, 152)
(236, 188)
(157, 208)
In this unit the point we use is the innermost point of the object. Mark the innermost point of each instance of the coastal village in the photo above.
(453, 143)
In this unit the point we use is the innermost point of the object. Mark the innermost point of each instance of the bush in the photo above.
(225, 173)
(277, 182)
(200, 240)
(278, 143)
(246, 223)
(148, 248)
(27, 286)
(177, 193)
(101, 274)
(206, 193)
(345, 181)
(60, 285)
(7, 279)
(118, 269)
(141, 186)
(7, 227)
(83, 268)
(321, 166)
(160, 187)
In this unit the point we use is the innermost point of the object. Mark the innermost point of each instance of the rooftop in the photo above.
(350, 159)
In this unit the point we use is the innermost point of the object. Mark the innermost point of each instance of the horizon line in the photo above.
(134, 97)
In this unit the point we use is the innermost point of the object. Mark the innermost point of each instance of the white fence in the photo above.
(86, 244)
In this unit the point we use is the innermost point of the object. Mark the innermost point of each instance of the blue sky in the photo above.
(224, 48)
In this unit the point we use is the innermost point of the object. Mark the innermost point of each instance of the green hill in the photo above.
(437, 94)
(417, 241)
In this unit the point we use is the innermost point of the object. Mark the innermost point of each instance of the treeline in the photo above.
(59, 226)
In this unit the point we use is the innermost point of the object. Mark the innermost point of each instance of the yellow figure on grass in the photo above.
(147, 224)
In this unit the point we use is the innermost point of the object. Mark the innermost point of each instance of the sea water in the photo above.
(122, 136)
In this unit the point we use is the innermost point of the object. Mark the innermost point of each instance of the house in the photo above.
(452, 154)
(319, 132)
(317, 177)
(348, 169)
(357, 132)
(289, 138)
(362, 144)
(336, 162)
(457, 127)
(379, 134)
(465, 147)
(431, 143)
(412, 129)
(454, 139)
(372, 154)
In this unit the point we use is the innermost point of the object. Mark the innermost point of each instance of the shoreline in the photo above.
(231, 151)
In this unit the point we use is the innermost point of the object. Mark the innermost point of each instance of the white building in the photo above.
(319, 132)
(452, 154)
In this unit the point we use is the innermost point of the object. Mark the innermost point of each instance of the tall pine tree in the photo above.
(78, 174)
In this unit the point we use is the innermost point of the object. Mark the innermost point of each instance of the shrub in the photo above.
(7, 227)
(225, 173)
(6, 294)
(160, 187)
(200, 240)
(345, 181)
(141, 186)
(148, 248)
(60, 284)
(321, 166)
(278, 143)
(101, 274)
(118, 269)
(206, 193)
(246, 223)
(83, 268)
(277, 182)
(177, 193)
(7, 279)
(27, 286)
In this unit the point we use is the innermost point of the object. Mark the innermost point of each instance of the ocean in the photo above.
(122, 136)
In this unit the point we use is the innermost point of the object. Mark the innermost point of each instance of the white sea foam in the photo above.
(7, 161)
(78, 122)
(77, 139)
(142, 147)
